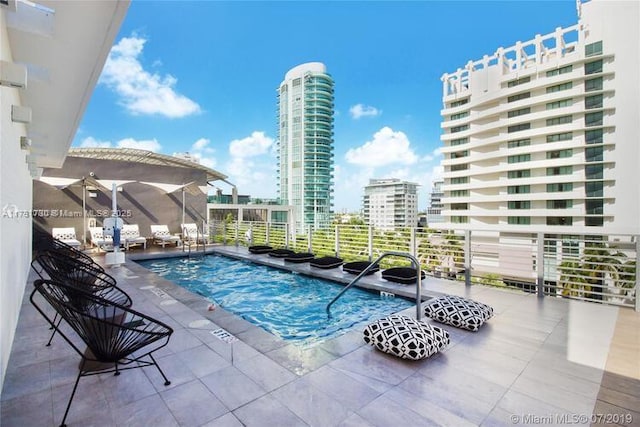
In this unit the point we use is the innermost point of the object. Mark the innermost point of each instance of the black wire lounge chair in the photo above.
(357, 267)
(281, 253)
(78, 275)
(326, 262)
(45, 242)
(111, 332)
(404, 275)
(299, 257)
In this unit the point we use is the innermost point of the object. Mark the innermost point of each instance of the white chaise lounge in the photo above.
(161, 236)
(191, 234)
(66, 235)
(130, 236)
(99, 239)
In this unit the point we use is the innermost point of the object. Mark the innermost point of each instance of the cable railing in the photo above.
(598, 268)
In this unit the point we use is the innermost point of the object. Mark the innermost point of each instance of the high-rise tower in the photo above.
(305, 143)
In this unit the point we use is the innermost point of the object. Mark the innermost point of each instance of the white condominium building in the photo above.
(305, 144)
(434, 210)
(390, 203)
(545, 135)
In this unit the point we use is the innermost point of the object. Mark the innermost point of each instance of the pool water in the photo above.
(289, 305)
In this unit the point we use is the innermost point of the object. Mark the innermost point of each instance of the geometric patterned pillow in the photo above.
(405, 337)
(459, 312)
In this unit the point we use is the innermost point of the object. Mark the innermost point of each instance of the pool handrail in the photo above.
(364, 272)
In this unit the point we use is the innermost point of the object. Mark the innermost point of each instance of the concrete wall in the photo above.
(141, 204)
(15, 194)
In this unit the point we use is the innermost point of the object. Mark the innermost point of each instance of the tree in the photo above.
(587, 276)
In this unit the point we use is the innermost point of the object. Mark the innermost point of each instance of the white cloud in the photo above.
(91, 142)
(387, 147)
(140, 91)
(204, 153)
(252, 166)
(361, 110)
(145, 144)
(256, 144)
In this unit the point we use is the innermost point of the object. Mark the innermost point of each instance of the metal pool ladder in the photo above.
(416, 265)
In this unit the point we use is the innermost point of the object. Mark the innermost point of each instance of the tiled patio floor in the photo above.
(535, 361)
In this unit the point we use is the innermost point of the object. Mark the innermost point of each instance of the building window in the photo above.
(460, 180)
(559, 120)
(559, 204)
(520, 112)
(520, 204)
(519, 127)
(459, 141)
(560, 187)
(593, 84)
(561, 70)
(518, 97)
(519, 143)
(461, 167)
(523, 173)
(559, 154)
(593, 101)
(458, 103)
(594, 207)
(594, 154)
(519, 220)
(559, 104)
(519, 158)
(594, 136)
(594, 119)
(565, 136)
(594, 189)
(460, 115)
(593, 49)
(561, 86)
(594, 171)
(459, 193)
(459, 154)
(593, 67)
(460, 128)
(459, 206)
(559, 220)
(519, 81)
(594, 221)
(456, 219)
(518, 189)
(560, 170)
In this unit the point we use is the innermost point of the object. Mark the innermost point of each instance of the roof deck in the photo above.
(536, 359)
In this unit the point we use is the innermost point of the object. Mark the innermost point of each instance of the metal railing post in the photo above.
(637, 287)
(467, 258)
(336, 242)
(267, 233)
(370, 243)
(540, 264)
(412, 242)
(237, 231)
(224, 233)
(286, 236)
(309, 238)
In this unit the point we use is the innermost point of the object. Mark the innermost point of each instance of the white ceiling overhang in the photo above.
(64, 45)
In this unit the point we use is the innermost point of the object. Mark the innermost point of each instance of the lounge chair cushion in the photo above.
(281, 253)
(404, 275)
(299, 257)
(260, 249)
(459, 312)
(358, 267)
(326, 262)
(406, 337)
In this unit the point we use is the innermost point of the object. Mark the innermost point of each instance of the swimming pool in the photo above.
(289, 305)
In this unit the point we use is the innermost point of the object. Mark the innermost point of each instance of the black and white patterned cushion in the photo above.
(459, 312)
(405, 337)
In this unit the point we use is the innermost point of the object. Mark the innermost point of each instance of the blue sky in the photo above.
(201, 77)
